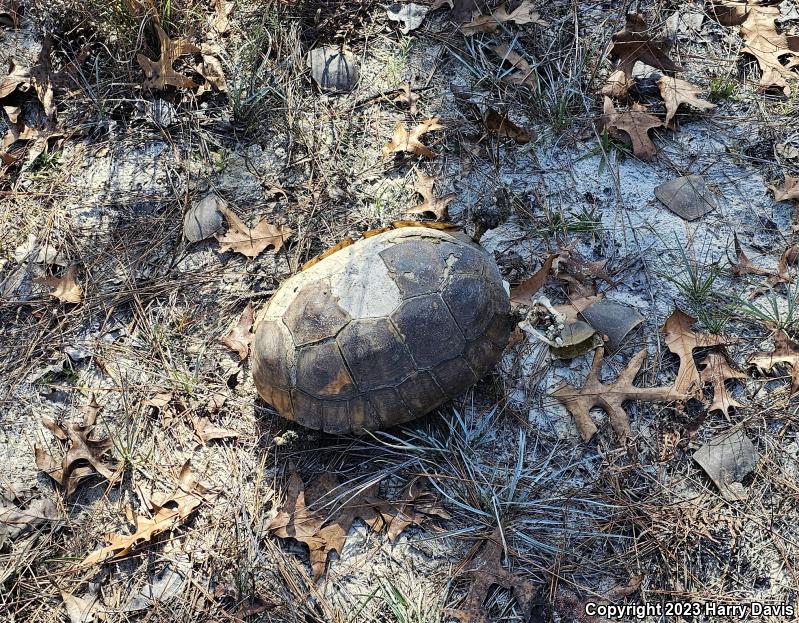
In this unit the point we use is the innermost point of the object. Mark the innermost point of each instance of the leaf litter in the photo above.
(168, 512)
(84, 455)
(323, 527)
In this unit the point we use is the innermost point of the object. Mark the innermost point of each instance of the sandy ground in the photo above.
(578, 520)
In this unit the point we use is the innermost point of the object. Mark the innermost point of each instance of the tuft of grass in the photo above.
(699, 286)
(722, 88)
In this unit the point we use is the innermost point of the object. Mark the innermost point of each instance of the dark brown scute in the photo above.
(454, 376)
(336, 417)
(421, 393)
(389, 406)
(423, 322)
(273, 370)
(374, 353)
(315, 315)
(482, 354)
(321, 372)
(307, 409)
(415, 267)
(469, 303)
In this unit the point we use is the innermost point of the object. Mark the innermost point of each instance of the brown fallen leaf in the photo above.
(633, 124)
(169, 512)
(525, 13)
(41, 80)
(610, 397)
(786, 352)
(86, 609)
(84, 456)
(12, 112)
(744, 265)
(633, 43)
(18, 78)
(160, 74)
(210, 68)
(436, 206)
(789, 190)
(404, 141)
(250, 241)
(769, 47)
(499, 123)
(675, 92)
(617, 85)
(486, 571)
(717, 371)
(240, 337)
(65, 288)
(18, 516)
(525, 75)
(523, 293)
(313, 515)
(408, 98)
(204, 431)
(681, 340)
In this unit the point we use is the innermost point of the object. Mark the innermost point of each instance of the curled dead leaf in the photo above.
(499, 123)
(65, 288)
(633, 43)
(676, 92)
(682, 340)
(240, 337)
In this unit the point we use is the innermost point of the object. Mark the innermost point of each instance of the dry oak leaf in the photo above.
(65, 288)
(437, 206)
(407, 97)
(682, 340)
(241, 336)
(214, 76)
(525, 13)
(250, 241)
(314, 516)
(617, 85)
(503, 126)
(675, 92)
(761, 40)
(610, 397)
(789, 190)
(404, 141)
(169, 511)
(716, 371)
(204, 431)
(523, 293)
(18, 78)
(635, 124)
(744, 266)
(634, 44)
(160, 74)
(84, 455)
(486, 571)
(786, 351)
(525, 75)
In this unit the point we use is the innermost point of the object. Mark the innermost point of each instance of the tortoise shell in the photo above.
(381, 331)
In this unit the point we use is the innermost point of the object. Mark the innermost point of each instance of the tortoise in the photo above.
(381, 331)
